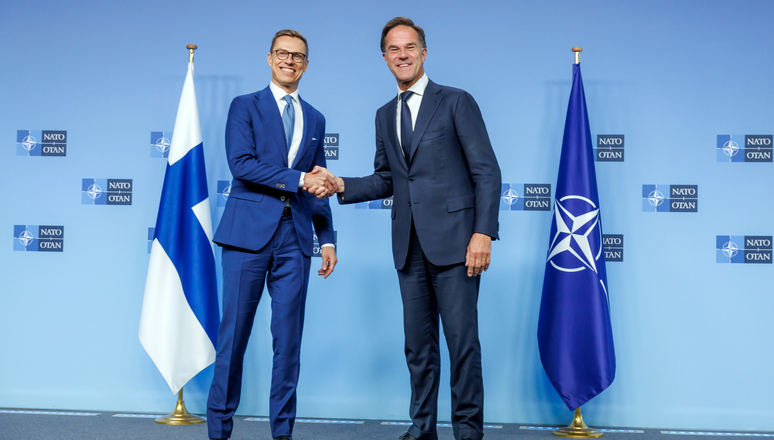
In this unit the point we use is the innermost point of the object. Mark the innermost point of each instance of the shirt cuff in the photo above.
(301, 180)
(328, 245)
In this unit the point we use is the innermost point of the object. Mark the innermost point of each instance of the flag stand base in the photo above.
(180, 416)
(577, 429)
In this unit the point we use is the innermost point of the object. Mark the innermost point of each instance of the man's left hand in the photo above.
(329, 261)
(478, 255)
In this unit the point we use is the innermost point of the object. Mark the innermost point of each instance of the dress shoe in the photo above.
(407, 436)
(283, 437)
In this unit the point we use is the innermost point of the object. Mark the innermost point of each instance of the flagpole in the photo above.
(577, 429)
(181, 416)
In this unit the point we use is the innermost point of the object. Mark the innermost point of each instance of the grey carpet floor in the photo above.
(64, 425)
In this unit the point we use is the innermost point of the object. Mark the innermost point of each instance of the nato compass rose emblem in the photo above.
(510, 197)
(730, 249)
(162, 145)
(577, 242)
(28, 143)
(25, 238)
(730, 148)
(656, 198)
(94, 191)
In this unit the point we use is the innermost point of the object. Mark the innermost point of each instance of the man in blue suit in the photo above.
(434, 156)
(274, 145)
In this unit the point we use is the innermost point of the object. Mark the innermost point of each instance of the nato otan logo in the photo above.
(670, 198)
(610, 148)
(224, 189)
(106, 192)
(376, 204)
(331, 143)
(752, 249)
(35, 238)
(614, 246)
(41, 143)
(525, 197)
(160, 141)
(316, 249)
(744, 147)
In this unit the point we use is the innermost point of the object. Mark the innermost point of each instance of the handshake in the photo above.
(322, 183)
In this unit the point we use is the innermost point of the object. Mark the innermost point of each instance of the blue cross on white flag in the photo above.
(574, 332)
(179, 320)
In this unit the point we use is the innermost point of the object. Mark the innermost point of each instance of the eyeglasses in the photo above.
(283, 55)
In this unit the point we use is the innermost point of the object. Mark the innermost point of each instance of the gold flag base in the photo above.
(577, 429)
(180, 416)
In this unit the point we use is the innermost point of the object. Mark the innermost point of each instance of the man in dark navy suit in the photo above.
(274, 145)
(434, 156)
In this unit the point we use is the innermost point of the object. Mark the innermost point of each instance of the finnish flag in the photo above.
(179, 319)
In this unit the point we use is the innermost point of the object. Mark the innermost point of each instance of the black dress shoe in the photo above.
(283, 437)
(407, 436)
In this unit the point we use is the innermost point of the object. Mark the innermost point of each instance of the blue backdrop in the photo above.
(691, 331)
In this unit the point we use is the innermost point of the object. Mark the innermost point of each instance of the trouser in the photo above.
(283, 267)
(430, 291)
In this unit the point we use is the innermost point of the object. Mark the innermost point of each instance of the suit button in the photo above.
(411, 179)
(282, 198)
(409, 203)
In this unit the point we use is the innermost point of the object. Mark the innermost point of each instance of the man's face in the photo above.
(287, 73)
(404, 55)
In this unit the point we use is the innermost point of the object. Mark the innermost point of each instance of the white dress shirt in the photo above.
(414, 101)
(298, 125)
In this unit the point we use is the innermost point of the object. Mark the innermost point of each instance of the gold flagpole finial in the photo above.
(577, 51)
(191, 48)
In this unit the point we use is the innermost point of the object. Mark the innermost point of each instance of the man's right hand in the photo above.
(320, 182)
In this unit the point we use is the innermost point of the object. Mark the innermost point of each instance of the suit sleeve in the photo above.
(482, 163)
(376, 186)
(243, 160)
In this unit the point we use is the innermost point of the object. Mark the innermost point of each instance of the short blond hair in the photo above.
(289, 33)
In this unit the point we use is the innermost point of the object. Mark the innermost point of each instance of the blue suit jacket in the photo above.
(258, 159)
(450, 188)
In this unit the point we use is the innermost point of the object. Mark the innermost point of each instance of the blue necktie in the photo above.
(288, 120)
(406, 130)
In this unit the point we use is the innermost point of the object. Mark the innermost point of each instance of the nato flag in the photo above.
(574, 333)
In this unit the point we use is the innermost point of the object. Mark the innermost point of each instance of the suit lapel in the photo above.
(392, 134)
(269, 111)
(430, 102)
(309, 124)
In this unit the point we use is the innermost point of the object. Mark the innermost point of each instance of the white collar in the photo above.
(279, 94)
(418, 87)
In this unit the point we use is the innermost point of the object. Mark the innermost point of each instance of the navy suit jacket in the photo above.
(450, 187)
(263, 182)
